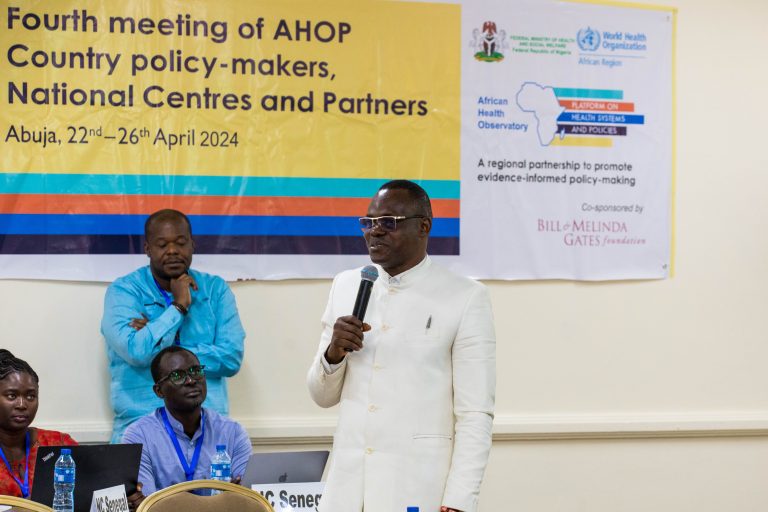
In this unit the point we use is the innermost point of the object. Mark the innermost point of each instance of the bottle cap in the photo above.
(221, 447)
(66, 451)
(412, 509)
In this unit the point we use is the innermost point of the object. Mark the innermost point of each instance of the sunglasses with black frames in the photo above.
(387, 223)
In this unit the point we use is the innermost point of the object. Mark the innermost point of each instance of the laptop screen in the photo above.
(285, 467)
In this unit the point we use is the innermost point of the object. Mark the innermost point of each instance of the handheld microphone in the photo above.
(368, 276)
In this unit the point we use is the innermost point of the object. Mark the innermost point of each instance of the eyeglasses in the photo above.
(387, 223)
(179, 377)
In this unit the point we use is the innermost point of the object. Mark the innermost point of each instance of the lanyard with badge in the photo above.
(189, 468)
(168, 301)
(24, 486)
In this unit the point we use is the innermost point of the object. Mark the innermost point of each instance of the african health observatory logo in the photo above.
(571, 116)
(489, 43)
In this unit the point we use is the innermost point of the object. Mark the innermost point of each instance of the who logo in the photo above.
(588, 39)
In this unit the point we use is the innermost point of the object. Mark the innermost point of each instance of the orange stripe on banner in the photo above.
(200, 205)
(608, 106)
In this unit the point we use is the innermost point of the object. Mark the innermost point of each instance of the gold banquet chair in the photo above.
(235, 498)
(22, 504)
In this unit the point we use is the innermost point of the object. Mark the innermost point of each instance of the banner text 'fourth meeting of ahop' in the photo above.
(183, 25)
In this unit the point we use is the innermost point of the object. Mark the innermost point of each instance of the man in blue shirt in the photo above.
(165, 304)
(180, 438)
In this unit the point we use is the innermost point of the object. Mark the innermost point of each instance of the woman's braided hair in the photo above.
(10, 364)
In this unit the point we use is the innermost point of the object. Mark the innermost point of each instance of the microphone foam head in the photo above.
(369, 273)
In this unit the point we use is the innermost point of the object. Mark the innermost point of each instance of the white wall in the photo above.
(629, 396)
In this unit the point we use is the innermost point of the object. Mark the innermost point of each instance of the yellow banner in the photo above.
(235, 88)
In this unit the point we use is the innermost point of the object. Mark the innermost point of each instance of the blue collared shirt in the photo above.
(160, 466)
(211, 329)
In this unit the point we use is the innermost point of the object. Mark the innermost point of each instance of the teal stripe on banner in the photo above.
(15, 183)
(593, 94)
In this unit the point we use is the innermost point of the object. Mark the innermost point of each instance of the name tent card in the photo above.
(111, 499)
(296, 497)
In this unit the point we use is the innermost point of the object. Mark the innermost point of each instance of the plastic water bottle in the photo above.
(64, 482)
(221, 465)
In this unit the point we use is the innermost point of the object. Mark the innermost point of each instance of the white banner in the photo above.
(566, 141)
(542, 130)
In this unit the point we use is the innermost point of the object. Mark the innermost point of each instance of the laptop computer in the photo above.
(285, 467)
(97, 467)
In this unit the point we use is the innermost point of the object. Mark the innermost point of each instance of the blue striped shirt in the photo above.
(160, 466)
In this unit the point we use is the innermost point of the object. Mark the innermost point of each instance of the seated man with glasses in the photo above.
(180, 438)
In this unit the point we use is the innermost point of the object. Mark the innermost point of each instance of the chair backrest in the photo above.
(235, 498)
(22, 504)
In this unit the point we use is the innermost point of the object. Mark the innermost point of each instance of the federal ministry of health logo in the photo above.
(489, 42)
(588, 39)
